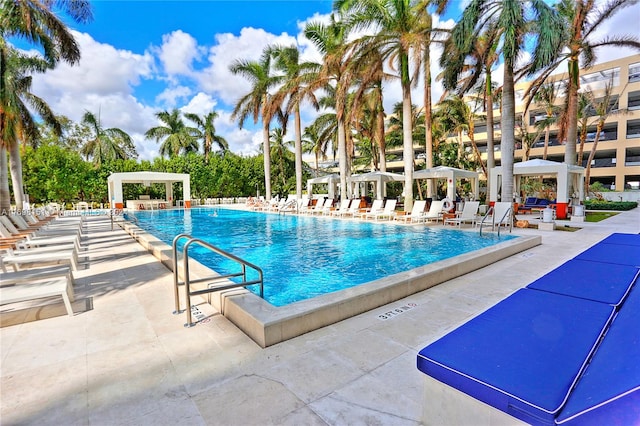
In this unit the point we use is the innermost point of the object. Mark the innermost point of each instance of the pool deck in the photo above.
(123, 358)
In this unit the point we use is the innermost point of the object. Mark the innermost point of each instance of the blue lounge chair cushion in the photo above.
(624, 239)
(619, 254)
(602, 282)
(521, 356)
(609, 391)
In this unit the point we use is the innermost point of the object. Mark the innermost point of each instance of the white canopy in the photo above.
(452, 175)
(115, 181)
(379, 180)
(566, 175)
(331, 180)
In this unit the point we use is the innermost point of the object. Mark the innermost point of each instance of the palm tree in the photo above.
(36, 23)
(16, 120)
(281, 154)
(313, 143)
(176, 137)
(106, 144)
(583, 18)
(510, 19)
(334, 77)
(256, 103)
(546, 97)
(398, 26)
(207, 132)
(298, 78)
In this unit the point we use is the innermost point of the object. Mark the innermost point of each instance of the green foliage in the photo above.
(610, 205)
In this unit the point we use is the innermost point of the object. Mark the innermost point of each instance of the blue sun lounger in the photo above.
(609, 391)
(609, 252)
(501, 357)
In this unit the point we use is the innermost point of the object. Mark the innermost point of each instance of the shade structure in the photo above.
(331, 181)
(379, 180)
(115, 181)
(452, 175)
(570, 179)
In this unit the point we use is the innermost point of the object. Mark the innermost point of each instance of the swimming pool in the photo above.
(304, 257)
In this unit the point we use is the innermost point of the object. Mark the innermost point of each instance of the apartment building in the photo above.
(617, 159)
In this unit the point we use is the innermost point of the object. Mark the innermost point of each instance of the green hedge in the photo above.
(610, 205)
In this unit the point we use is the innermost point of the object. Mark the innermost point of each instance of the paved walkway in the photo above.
(125, 359)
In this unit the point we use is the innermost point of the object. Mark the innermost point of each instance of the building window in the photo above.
(634, 72)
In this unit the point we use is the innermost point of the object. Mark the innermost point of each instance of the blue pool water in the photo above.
(303, 257)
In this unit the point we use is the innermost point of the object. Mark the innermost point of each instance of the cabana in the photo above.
(331, 181)
(379, 179)
(115, 181)
(452, 175)
(570, 179)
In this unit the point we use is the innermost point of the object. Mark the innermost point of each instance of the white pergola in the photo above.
(331, 181)
(379, 179)
(452, 175)
(570, 179)
(115, 181)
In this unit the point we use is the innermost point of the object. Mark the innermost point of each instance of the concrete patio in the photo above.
(123, 358)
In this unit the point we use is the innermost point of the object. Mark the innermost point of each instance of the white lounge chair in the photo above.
(37, 290)
(416, 211)
(388, 212)
(434, 214)
(502, 214)
(34, 256)
(469, 214)
(344, 206)
(376, 207)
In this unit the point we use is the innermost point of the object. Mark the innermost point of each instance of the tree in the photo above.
(207, 132)
(298, 77)
(38, 24)
(582, 20)
(397, 24)
(282, 155)
(176, 137)
(16, 121)
(512, 22)
(106, 144)
(331, 41)
(313, 143)
(256, 103)
(546, 97)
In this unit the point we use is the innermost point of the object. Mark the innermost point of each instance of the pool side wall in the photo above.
(268, 325)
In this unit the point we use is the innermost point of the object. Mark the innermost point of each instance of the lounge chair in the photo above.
(502, 214)
(388, 212)
(19, 258)
(416, 211)
(468, 215)
(344, 206)
(303, 205)
(38, 290)
(376, 207)
(320, 205)
(433, 215)
(354, 207)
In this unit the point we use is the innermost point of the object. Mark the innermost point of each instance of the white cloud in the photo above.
(200, 104)
(178, 52)
(171, 95)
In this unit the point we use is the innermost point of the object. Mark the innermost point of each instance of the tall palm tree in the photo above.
(16, 120)
(36, 22)
(331, 41)
(281, 154)
(398, 27)
(312, 143)
(207, 132)
(546, 97)
(583, 18)
(256, 103)
(298, 77)
(175, 135)
(513, 25)
(106, 144)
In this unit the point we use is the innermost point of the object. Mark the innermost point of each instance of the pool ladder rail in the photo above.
(491, 216)
(188, 292)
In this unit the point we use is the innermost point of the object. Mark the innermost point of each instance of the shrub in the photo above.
(610, 205)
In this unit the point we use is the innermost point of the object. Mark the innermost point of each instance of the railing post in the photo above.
(176, 269)
(187, 292)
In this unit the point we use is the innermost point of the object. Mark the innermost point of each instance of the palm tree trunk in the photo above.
(407, 146)
(490, 153)
(267, 159)
(342, 159)
(428, 136)
(546, 143)
(382, 143)
(298, 149)
(15, 165)
(572, 112)
(5, 197)
(592, 154)
(507, 144)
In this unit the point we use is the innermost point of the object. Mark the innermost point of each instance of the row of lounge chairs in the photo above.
(30, 244)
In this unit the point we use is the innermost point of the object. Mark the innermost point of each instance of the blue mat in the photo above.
(521, 356)
(609, 391)
(624, 239)
(619, 254)
(602, 282)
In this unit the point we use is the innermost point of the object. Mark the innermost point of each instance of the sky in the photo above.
(143, 57)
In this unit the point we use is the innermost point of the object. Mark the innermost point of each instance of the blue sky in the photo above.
(142, 57)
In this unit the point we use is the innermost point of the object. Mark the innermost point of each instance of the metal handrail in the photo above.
(187, 280)
(493, 221)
